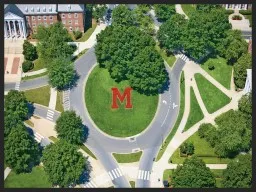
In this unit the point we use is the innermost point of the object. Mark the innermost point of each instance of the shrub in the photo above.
(29, 51)
(203, 129)
(77, 34)
(27, 65)
(246, 12)
(187, 148)
(228, 12)
(211, 66)
(236, 17)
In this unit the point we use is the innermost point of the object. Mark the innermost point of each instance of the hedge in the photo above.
(246, 12)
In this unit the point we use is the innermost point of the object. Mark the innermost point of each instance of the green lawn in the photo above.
(222, 72)
(127, 158)
(34, 76)
(212, 97)
(38, 64)
(40, 95)
(167, 174)
(36, 179)
(177, 123)
(59, 106)
(188, 9)
(169, 59)
(202, 149)
(88, 33)
(195, 113)
(119, 122)
(132, 183)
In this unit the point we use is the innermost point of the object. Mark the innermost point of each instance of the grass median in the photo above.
(39, 95)
(127, 158)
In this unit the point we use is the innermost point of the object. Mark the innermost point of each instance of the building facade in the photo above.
(238, 6)
(21, 20)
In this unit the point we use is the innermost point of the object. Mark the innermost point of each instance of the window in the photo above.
(44, 17)
(50, 17)
(76, 16)
(38, 9)
(70, 22)
(64, 22)
(44, 9)
(50, 9)
(34, 25)
(33, 18)
(32, 9)
(70, 29)
(69, 15)
(76, 22)
(63, 15)
(39, 17)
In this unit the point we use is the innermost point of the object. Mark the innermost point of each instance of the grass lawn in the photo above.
(30, 123)
(177, 123)
(34, 76)
(88, 32)
(195, 113)
(127, 158)
(222, 72)
(38, 64)
(188, 9)
(212, 97)
(40, 95)
(167, 174)
(132, 183)
(119, 122)
(169, 59)
(59, 106)
(36, 179)
(202, 149)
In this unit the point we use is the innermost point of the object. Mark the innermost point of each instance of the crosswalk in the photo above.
(66, 101)
(184, 57)
(50, 115)
(38, 137)
(17, 86)
(144, 175)
(115, 173)
(90, 184)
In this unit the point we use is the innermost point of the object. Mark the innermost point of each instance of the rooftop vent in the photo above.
(44, 9)
(32, 9)
(69, 6)
(38, 9)
(50, 9)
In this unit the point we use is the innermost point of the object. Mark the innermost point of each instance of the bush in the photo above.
(211, 66)
(29, 51)
(77, 34)
(236, 17)
(207, 131)
(228, 12)
(246, 12)
(187, 148)
(27, 65)
(203, 129)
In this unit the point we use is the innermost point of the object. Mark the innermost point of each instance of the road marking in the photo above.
(184, 57)
(66, 100)
(173, 105)
(50, 115)
(165, 116)
(110, 175)
(148, 175)
(117, 173)
(17, 86)
(135, 150)
(38, 137)
(89, 185)
(164, 102)
(114, 174)
(144, 175)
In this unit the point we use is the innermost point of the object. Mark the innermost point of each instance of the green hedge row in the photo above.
(246, 12)
(228, 12)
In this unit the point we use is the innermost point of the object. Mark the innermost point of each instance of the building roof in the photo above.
(70, 7)
(37, 9)
(12, 9)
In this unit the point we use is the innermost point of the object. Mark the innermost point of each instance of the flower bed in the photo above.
(236, 17)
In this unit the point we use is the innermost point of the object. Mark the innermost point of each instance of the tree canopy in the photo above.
(29, 51)
(164, 11)
(20, 150)
(193, 174)
(98, 11)
(63, 164)
(121, 15)
(69, 126)
(207, 7)
(238, 173)
(245, 104)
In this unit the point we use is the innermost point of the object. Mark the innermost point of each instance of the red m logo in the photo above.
(116, 95)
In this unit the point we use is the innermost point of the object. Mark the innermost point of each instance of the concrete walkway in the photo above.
(179, 10)
(6, 172)
(34, 72)
(243, 25)
(190, 69)
(53, 99)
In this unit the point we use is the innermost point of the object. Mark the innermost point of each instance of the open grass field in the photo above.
(212, 97)
(38, 64)
(40, 95)
(59, 106)
(222, 72)
(202, 149)
(119, 122)
(36, 179)
(188, 9)
(127, 158)
(177, 123)
(195, 113)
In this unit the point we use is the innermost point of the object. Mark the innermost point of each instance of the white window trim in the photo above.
(76, 15)
(38, 17)
(33, 18)
(63, 15)
(45, 18)
(70, 22)
(69, 15)
(70, 29)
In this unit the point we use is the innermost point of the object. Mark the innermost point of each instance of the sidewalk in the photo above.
(179, 10)
(34, 72)
(7, 172)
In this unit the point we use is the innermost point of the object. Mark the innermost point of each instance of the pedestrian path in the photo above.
(34, 72)
(184, 57)
(53, 99)
(38, 137)
(90, 184)
(50, 114)
(179, 10)
(115, 173)
(143, 175)
(7, 172)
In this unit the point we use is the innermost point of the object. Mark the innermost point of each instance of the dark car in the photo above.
(165, 183)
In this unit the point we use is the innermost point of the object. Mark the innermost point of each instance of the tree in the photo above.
(187, 148)
(240, 73)
(193, 174)
(208, 131)
(29, 51)
(63, 164)
(147, 73)
(164, 11)
(99, 11)
(69, 126)
(61, 72)
(171, 33)
(121, 15)
(238, 173)
(20, 149)
(10, 121)
(207, 7)
(15, 103)
(27, 65)
(245, 104)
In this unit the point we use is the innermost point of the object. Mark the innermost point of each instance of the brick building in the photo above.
(20, 20)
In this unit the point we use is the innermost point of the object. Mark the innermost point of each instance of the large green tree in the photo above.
(238, 173)
(61, 72)
(240, 73)
(10, 121)
(121, 15)
(171, 33)
(164, 11)
(245, 104)
(193, 174)
(69, 126)
(63, 164)
(29, 51)
(16, 104)
(20, 150)
(98, 11)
